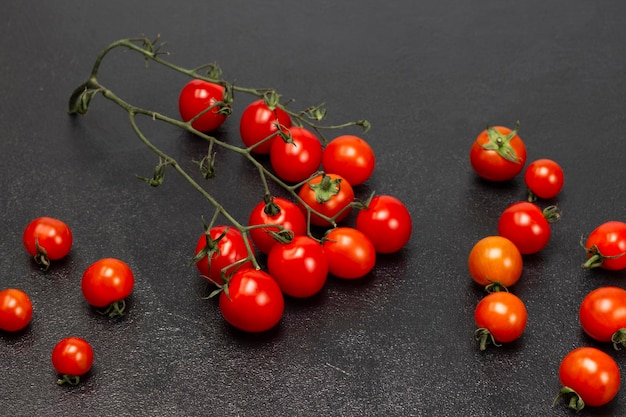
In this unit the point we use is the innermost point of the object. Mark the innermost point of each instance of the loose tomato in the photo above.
(606, 246)
(527, 226)
(495, 261)
(589, 376)
(16, 310)
(47, 239)
(297, 160)
(275, 211)
(544, 179)
(349, 252)
(259, 124)
(107, 283)
(351, 157)
(253, 301)
(299, 267)
(498, 153)
(501, 318)
(386, 222)
(197, 96)
(72, 357)
(219, 252)
(602, 315)
(329, 195)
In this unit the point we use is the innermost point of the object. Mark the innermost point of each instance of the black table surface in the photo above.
(429, 76)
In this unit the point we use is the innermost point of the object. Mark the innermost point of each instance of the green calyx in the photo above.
(575, 401)
(619, 339)
(326, 188)
(484, 338)
(68, 380)
(501, 143)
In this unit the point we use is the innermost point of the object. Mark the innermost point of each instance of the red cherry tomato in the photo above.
(495, 261)
(253, 303)
(351, 157)
(349, 252)
(298, 160)
(47, 239)
(72, 357)
(198, 95)
(226, 248)
(526, 225)
(107, 283)
(606, 247)
(329, 195)
(602, 315)
(16, 310)
(544, 178)
(498, 154)
(276, 210)
(501, 318)
(386, 222)
(258, 122)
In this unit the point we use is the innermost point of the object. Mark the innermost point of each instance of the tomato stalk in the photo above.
(484, 338)
(575, 401)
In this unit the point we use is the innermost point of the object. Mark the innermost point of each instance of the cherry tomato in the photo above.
(275, 210)
(544, 178)
(606, 246)
(47, 239)
(72, 357)
(526, 225)
(602, 315)
(16, 310)
(501, 318)
(386, 222)
(258, 122)
(198, 95)
(498, 154)
(106, 283)
(351, 157)
(349, 252)
(253, 302)
(298, 160)
(495, 261)
(226, 249)
(329, 195)
(590, 376)
(299, 267)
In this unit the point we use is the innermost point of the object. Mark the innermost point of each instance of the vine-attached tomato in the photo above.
(219, 252)
(498, 153)
(297, 160)
(349, 252)
(606, 246)
(544, 179)
(527, 226)
(253, 301)
(275, 211)
(386, 222)
(602, 315)
(351, 157)
(329, 195)
(299, 267)
(197, 96)
(72, 357)
(501, 318)
(589, 377)
(106, 283)
(261, 124)
(47, 239)
(16, 310)
(495, 261)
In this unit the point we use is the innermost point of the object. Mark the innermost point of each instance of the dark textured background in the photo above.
(428, 75)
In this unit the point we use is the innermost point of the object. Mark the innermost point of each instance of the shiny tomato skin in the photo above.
(544, 178)
(603, 312)
(350, 253)
(386, 222)
(107, 281)
(503, 314)
(290, 217)
(16, 310)
(299, 267)
(254, 302)
(495, 259)
(259, 122)
(231, 249)
(525, 225)
(489, 164)
(608, 241)
(340, 198)
(296, 161)
(351, 157)
(72, 356)
(196, 96)
(53, 235)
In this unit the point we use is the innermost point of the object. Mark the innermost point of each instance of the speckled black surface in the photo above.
(429, 76)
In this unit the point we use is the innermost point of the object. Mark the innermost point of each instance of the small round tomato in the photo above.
(498, 154)
(501, 318)
(253, 301)
(351, 157)
(47, 239)
(526, 225)
(590, 376)
(606, 246)
(349, 252)
(386, 222)
(495, 261)
(329, 195)
(107, 283)
(259, 123)
(299, 267)
(219, 252)
(544, 178)
(72, 357)
(275, 211)
(602, 315)
(16, 310)
(197, 96)
(297, 160)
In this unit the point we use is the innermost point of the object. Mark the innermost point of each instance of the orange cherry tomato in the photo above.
(495, 260)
